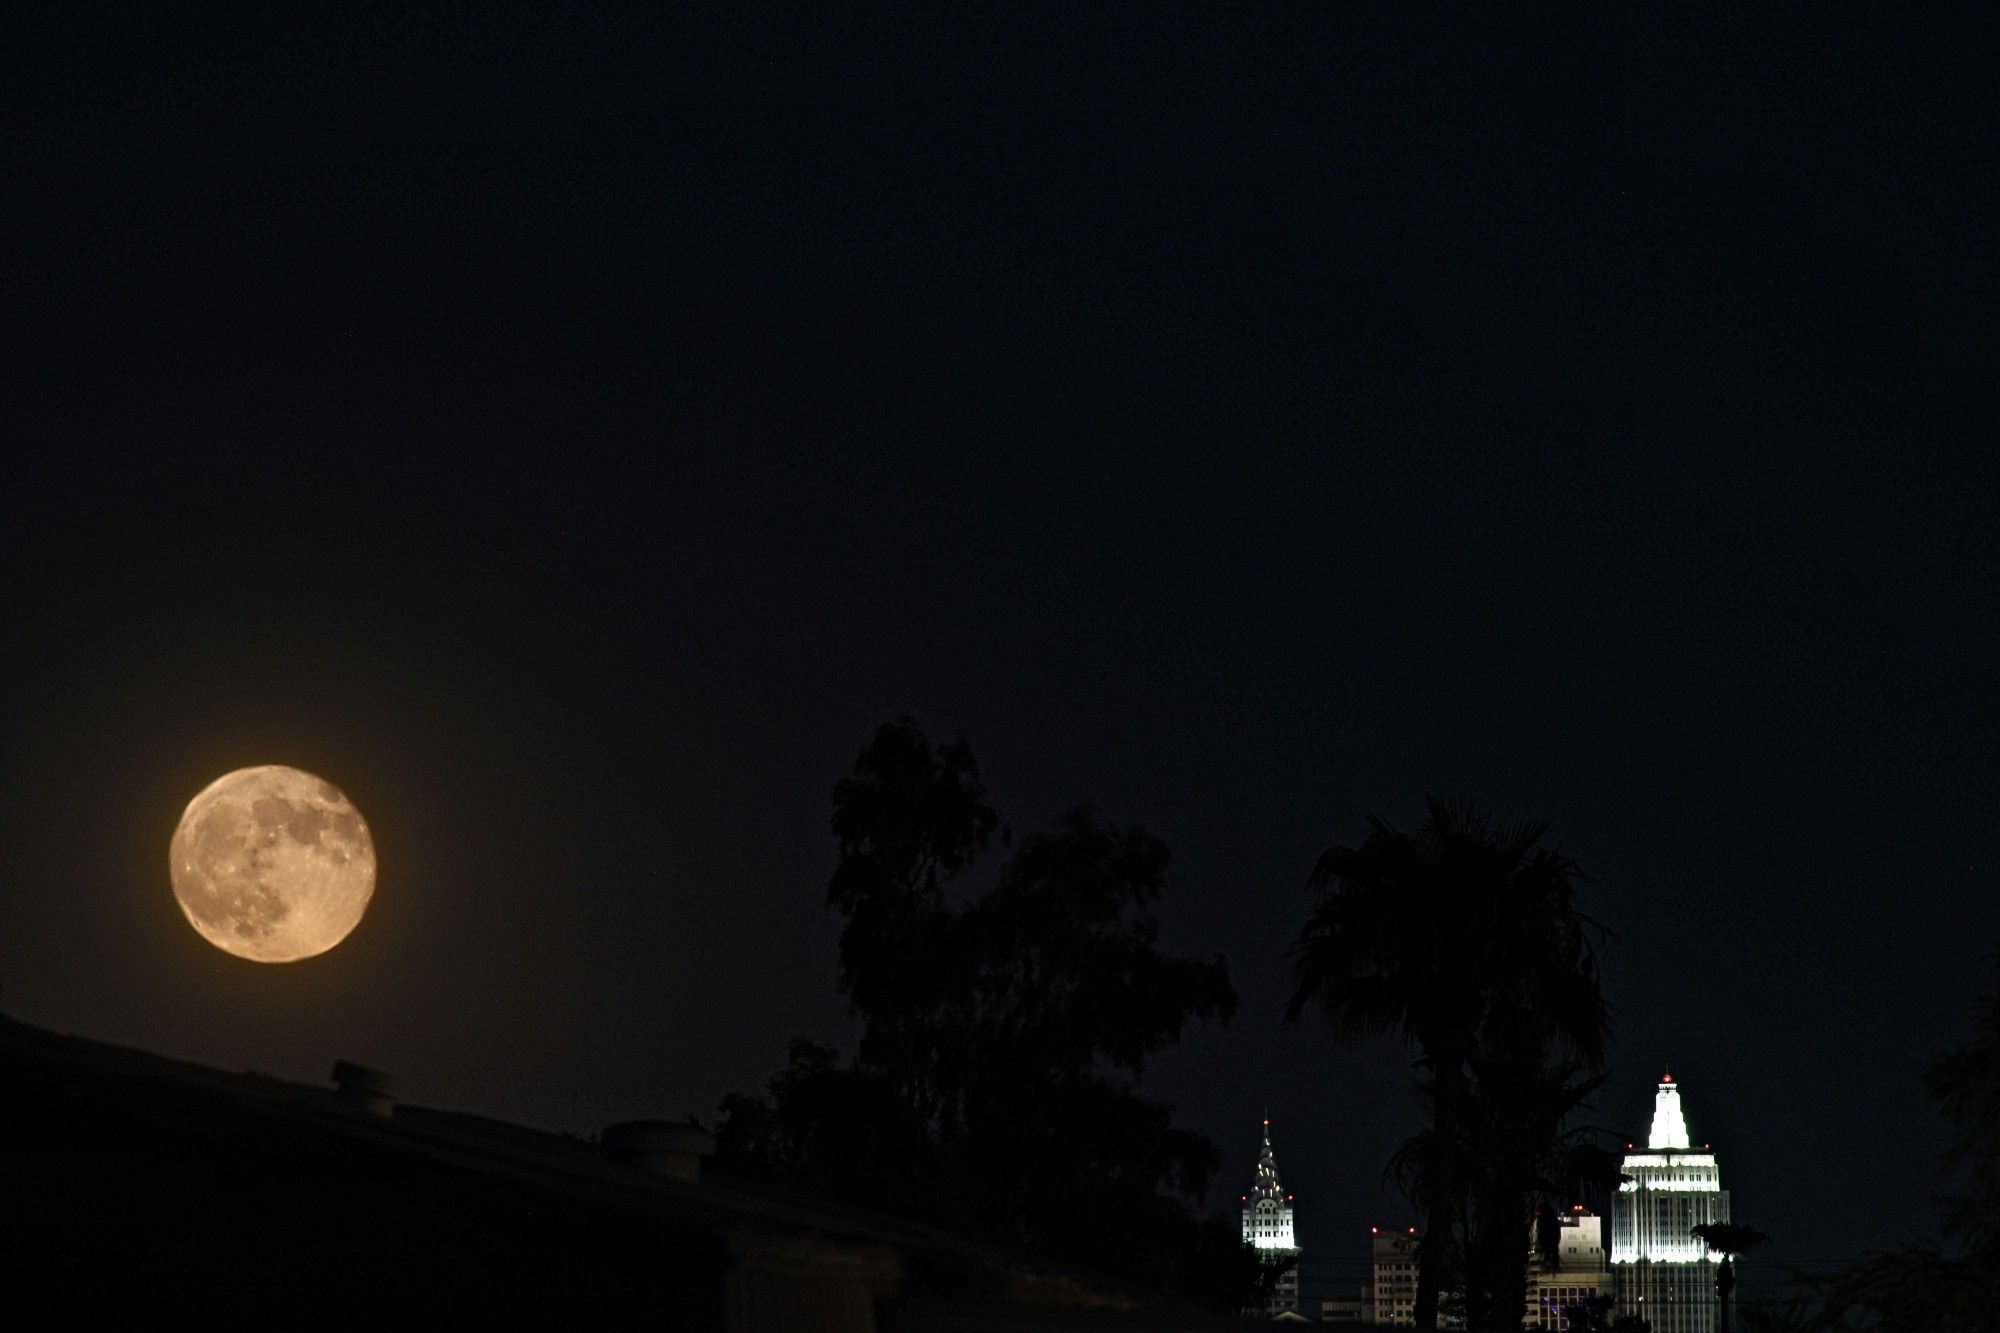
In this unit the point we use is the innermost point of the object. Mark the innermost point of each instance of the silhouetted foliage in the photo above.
(1548, 1238)
(1794, 1313)
(1521, 1155)
(1464, 938)
(1594, 1314)
(1271, 1270)
(836, 1130)
(1517, 1158)
(994, 1087)
(1731, 1240)
(1954, 1286)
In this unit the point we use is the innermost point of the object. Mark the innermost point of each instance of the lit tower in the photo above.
(1267, 1225)
(1663, 1272)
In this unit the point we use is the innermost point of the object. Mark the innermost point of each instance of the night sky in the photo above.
(572, 438)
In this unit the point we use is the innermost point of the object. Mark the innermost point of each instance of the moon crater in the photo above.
(272, 864)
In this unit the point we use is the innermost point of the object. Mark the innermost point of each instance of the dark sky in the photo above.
(571, 438)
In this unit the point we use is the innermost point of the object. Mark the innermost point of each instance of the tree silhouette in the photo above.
(1594, 1314)
(1522, 1156)
(1730, 1240)
(994, 1089)
(1954, 1286)
(1796, 1313)
(909, 821)
(1517, 1155)
(1464, 939)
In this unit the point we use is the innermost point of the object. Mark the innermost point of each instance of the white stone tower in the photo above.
(1267, 1225)
(1663, 1272)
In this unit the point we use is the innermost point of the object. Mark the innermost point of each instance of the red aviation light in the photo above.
(1374, 1231)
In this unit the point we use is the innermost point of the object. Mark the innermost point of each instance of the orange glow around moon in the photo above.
(272, 864)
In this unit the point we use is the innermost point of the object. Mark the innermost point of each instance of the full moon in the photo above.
(272, 864)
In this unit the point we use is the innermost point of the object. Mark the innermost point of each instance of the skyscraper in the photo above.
(1662, 1271)
(1267, 1225)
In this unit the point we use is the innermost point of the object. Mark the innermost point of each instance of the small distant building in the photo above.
(1268, 1226)
(1389, 1296)
(1344, 1309)
(1583, 1270)
(1662, 1271)
(1392, 1277)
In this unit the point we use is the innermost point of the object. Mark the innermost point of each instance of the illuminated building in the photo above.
(1392, 1278)
(1662, 1271)
(1389, 1296)
(1582, 1270)
(1267, 1225)
(1391, 1293)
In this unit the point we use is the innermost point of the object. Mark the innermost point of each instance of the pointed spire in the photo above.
(1267, 1186)
(1669, 1125)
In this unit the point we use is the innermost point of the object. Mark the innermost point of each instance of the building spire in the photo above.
(1267, 1186)
(1670, 1129)
(1268, 1228)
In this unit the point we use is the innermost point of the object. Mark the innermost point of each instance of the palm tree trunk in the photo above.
(1442, 1205)
(1497, 1277)
(1430, 1257)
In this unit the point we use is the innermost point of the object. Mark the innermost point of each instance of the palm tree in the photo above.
(1728, 1239)
(1518, 1154)
(1463, 939)
(1525, 1156)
